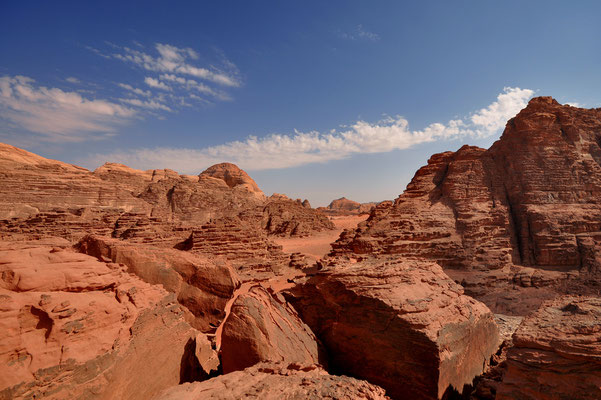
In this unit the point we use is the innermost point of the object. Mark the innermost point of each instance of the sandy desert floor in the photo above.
(318, 245)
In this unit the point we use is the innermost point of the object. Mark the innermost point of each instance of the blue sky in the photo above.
(314, 99)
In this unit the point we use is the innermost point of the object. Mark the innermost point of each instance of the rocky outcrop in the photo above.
(271, 381)
(530, 199)
(75, 327)
(261, 327)
(203, 286)
(556, 353)
(403, 325)
(232, 176)
(285, 217)
(533, 200)
(344, 206)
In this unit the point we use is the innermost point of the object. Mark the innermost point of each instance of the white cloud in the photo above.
(138, 91)
(155, 83)
(73, 80)
(55, 114)
(175, 60)
(282, 151)
(494, 117)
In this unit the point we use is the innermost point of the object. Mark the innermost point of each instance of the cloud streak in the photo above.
(300, 148)
(57, 115)
(175, 60)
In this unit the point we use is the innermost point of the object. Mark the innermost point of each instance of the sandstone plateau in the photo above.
(482, 280)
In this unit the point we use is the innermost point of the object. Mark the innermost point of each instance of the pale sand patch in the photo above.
(318, 245)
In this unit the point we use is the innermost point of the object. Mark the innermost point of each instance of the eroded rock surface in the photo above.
(556, 353)
(261, 327)
(75, 327)
(203, 286)
(403, 325)
(272, 381)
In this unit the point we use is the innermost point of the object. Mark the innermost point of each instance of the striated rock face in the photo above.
(249, 250)
(33, 184)
(201, 285)
(263, 328)
(75, 327)
(403, 325)
(273, 381)
(41, 197)
(556, 353)
(533, 198)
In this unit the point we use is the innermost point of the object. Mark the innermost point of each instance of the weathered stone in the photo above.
(272, 381)
(75, 327)
(259, 328)
(556, 353)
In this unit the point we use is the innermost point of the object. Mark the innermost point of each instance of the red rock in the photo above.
(42, 197)
(344, 206)
(533, 199)
(272, 381)
(261, 327)
(556, 353)
(74, 327)
(285, 217)
(403, 325)
(232, 176)
(201, 285)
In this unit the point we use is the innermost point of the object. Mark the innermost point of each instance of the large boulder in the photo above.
(261, 327)
(75, 327)
(276, 381)
(403, 325)
(556, 353)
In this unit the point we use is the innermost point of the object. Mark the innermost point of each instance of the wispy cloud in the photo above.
(155, 83)
(172, 59)
(73, 80)
(300, 148)
(138, 91)
(359, 33)
(177, 70)
(57, 115)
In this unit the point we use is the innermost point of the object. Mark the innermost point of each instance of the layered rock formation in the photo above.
(261, 327)
(75, 327)
(271, 381)
(403, 325)
(556, 353)
(42, 197)
(532, 199)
